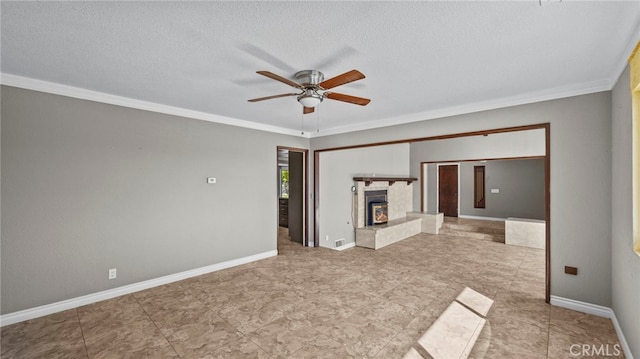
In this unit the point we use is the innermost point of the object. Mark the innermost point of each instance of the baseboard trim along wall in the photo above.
(594, 309)
(47, 309)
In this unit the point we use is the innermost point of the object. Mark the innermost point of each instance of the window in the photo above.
(478, 187)
(284, 182)
(634, 65)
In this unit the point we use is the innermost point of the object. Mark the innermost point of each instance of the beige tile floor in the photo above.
(320, 303)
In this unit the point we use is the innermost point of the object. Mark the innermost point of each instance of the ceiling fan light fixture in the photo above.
(310, 98)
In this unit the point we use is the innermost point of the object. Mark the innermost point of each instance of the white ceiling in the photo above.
(422, 59)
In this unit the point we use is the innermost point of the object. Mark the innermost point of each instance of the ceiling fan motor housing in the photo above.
(309, 77)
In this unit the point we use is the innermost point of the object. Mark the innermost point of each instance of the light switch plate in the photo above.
(211, 180)
(495, 190)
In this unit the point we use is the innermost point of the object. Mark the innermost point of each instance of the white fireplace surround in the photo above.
(399, 198)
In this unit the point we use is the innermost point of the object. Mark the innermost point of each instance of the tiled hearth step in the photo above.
(474, 235)
(476, 229)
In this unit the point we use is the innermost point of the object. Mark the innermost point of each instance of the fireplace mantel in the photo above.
(367, 180)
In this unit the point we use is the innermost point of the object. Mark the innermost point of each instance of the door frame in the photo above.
(457, 164)
(305, 189)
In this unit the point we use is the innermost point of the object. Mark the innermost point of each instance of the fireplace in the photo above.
(378, 212)
(376, 207)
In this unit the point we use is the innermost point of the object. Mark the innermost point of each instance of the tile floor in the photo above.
(320, 303)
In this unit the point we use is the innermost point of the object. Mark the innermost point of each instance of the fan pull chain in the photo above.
(302, 124)
(318, 119)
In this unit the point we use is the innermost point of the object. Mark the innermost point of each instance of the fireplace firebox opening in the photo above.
(376, 207)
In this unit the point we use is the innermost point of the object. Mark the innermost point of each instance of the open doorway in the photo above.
(509, 142)
(292, 192)
(501, 203)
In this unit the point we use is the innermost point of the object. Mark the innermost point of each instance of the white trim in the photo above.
(624, 57)
(482, 218)
(84, 94)
(77, 92)
(582, 307)
(424, 173)
(533, 97)
(623, 340)
(47, 309)
(346, 246)
(594, 309)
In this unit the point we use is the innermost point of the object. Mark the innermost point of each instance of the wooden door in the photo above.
(448, 190)
(296, 196)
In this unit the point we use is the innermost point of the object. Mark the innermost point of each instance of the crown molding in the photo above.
(532, 97)
(527, 98)
(84, 94)
(624, 57)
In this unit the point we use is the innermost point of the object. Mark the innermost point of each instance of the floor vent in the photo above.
(340, 242)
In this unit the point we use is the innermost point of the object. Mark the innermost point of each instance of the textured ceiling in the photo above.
(421, 59)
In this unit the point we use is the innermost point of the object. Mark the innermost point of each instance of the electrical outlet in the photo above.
(326, 238)
(112, 273)
(211, 180)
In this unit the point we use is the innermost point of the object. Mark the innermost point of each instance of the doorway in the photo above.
(292, 192)
(448, 190)
(546, 154)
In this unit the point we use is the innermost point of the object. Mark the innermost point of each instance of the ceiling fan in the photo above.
(314, 88)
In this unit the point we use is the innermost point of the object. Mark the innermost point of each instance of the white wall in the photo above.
(580, 180)
(625, 272)
(337, 169)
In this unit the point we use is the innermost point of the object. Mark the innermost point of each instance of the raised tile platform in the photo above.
(525, 232)
(376, 237)
(431, 222)
(487, 230)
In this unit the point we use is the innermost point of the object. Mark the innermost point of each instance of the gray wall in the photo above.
(580, 180)
(89, 186)
(625, 272)
(500, 145)
(521, 185)
(337, 169)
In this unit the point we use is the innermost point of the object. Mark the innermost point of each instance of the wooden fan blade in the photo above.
(270, 97)
(306, 110)
(345, 78)
(271, 75)
(347, 98)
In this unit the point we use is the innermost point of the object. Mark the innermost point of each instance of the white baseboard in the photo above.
(47, 309)
(482, 218)
(346, 246)
(594, 309)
